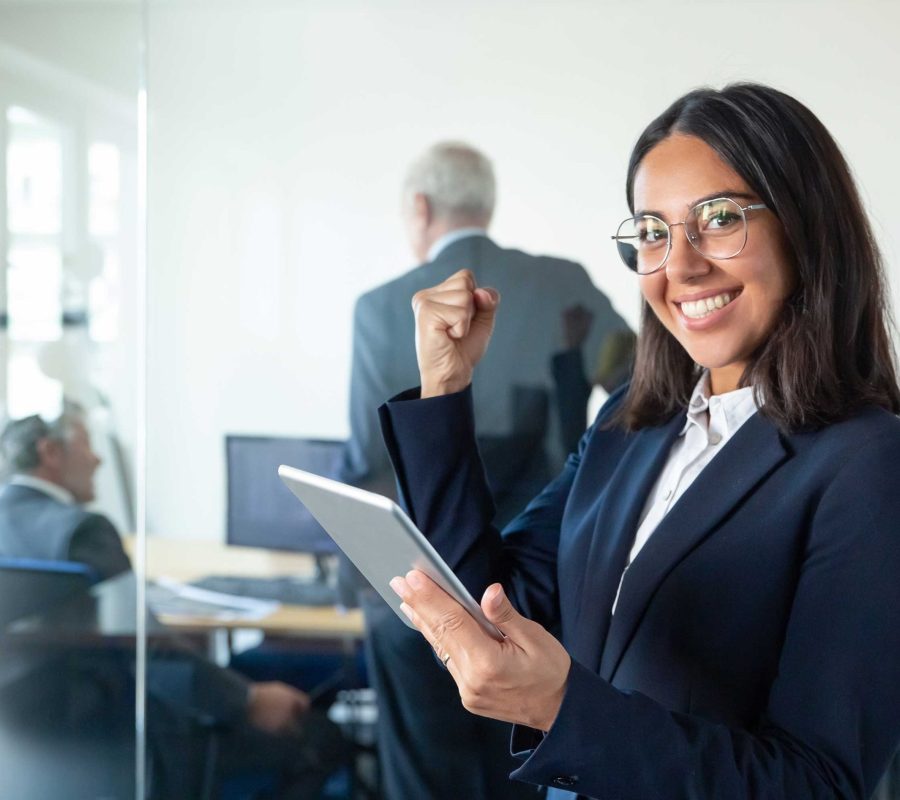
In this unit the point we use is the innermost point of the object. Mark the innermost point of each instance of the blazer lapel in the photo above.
(615, 523)
(750, 456)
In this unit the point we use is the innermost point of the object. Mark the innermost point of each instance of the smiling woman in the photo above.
(720, 557)
(808, 272)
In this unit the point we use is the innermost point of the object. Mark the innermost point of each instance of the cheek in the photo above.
(651, 287)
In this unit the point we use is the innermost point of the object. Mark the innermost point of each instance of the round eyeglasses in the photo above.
(715, 229)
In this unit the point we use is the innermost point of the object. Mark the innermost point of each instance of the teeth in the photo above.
(698, 309)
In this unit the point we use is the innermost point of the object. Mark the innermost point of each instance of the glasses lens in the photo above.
(717, 228)
(642, 243)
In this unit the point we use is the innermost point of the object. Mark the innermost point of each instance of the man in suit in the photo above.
(448, 202)
(265, 725)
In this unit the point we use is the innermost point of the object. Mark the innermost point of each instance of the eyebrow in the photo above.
(733, 194)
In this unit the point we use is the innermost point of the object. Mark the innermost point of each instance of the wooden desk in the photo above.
(186, 560)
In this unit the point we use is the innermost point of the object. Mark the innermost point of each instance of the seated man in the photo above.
(262, 726)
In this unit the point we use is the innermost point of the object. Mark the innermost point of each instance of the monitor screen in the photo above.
(262, 512)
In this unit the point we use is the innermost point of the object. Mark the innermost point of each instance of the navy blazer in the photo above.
(755, 648)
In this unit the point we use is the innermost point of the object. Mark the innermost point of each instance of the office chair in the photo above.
(30, 585)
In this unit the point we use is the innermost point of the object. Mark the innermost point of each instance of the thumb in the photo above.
(500, 611)
(486, 300)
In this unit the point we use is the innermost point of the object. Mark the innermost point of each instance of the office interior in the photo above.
(196, 193)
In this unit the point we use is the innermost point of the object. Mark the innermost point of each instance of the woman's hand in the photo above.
(454, 322)
(521, 679)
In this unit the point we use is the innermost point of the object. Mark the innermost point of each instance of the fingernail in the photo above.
(495, 595)
(415, 580)
(407, 611)
(399, 586)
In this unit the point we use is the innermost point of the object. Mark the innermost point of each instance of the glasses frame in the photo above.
(683, 223)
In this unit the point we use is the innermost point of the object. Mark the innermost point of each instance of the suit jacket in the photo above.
(755, 649)
(514, 379)
(35, 525)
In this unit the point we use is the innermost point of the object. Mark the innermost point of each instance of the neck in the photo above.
(726, 379)
(46, 474)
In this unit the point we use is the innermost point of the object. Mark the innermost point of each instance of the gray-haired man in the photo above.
(41, 506)
(429, 745)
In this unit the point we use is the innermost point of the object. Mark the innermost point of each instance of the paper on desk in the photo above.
(170, 598)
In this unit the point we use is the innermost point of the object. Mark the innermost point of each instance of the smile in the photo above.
(698, 309)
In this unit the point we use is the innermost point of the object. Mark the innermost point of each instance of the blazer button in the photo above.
(566, 780)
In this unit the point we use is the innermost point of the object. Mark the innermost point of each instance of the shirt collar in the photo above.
(727, 412)
(453, 236)
(53, 490)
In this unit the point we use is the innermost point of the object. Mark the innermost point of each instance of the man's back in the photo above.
(515, 375)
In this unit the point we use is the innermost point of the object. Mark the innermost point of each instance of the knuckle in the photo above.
(447, 622)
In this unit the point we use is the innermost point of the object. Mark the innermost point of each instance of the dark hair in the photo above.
(830, 351)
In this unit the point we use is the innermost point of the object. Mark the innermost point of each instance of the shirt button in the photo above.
(566, 780)
(715, 438)
(668, 494)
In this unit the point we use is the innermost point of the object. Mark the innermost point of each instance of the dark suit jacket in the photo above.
(755, 648)
(512, 377)
(35, 525)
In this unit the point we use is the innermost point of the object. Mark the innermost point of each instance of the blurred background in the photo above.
(199, 310)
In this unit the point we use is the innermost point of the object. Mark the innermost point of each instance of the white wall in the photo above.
(279, 133)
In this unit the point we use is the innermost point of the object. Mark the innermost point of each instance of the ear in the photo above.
(421, 209)
(50, 452)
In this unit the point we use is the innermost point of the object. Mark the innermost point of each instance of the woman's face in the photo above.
(751, 287)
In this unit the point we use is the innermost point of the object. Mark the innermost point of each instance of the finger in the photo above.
(452, 319)
(451, 629)
(440, 652)
(486, 302)
(487, 298)
(500, 611)
(464, 278)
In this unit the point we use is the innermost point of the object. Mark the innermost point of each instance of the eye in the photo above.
(718, 216)
(651, 232)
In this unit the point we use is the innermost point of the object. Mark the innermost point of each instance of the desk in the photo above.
(187, 560)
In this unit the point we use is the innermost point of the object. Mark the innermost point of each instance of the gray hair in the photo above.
(458, 181)
(20, 437)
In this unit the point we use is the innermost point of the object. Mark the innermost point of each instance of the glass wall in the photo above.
(69, 362)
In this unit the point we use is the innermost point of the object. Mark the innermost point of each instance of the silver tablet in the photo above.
(378, 537)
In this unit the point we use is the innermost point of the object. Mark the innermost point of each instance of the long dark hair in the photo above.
(830, 352)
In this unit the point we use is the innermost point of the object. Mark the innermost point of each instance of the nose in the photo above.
(685, 263)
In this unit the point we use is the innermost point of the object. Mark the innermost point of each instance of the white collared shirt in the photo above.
(54, 490)
(711, 422)
(453, 236)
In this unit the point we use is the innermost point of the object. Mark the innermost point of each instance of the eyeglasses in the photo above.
(715, 229)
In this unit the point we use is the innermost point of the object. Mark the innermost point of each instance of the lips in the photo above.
(704, 306)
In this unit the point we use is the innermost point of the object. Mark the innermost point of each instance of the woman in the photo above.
(721, 557)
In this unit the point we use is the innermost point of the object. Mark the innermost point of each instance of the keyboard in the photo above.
(288, 590)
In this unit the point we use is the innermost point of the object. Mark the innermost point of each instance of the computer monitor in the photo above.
(262, 512)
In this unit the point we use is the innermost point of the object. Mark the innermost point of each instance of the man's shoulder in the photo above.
(401, 288)
(27, 500)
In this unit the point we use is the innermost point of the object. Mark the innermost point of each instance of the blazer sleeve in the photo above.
(442, 485)
(96, 542)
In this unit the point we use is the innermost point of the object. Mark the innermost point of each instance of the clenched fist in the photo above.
(454, 322)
